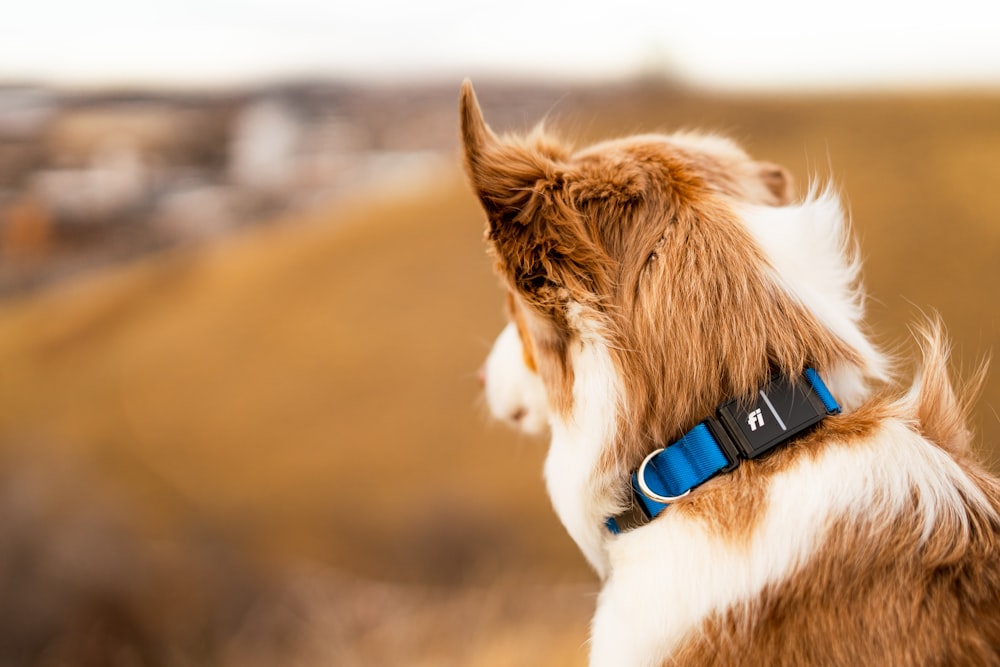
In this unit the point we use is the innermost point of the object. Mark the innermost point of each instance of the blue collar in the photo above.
(739, 430)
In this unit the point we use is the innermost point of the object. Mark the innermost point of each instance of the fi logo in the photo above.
(755, 420)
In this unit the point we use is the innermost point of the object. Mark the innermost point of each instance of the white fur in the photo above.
(668, 576)
(514, 393)
(810, 253)
(582, 498)
(517, 396)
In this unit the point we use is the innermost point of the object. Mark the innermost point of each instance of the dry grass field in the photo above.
(272, 450)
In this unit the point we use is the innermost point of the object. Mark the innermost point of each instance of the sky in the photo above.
(766, 44)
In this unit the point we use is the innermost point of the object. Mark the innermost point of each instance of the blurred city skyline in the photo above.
(778, 44)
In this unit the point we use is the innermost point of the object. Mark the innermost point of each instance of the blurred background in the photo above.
(243, 297)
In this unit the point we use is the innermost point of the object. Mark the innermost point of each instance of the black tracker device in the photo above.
(779, 411)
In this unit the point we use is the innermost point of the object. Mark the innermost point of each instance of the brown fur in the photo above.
(944, 414)
(516, 315)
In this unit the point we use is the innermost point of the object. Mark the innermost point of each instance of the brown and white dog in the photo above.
(650, 280)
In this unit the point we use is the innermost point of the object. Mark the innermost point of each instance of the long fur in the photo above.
(654, 277)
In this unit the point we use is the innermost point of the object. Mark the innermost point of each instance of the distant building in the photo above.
(266, 142)
(115, 180)
(24, 111)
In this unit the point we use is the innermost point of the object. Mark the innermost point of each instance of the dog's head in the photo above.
(660, 275)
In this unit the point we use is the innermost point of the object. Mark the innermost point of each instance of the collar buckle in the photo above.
(640, 480)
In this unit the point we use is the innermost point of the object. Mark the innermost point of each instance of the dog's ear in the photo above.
(510, 176)
(777, 180)
(523, 184)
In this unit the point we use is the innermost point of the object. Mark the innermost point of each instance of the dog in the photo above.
(666, 289)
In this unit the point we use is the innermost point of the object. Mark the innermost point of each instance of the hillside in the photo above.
(305, 393)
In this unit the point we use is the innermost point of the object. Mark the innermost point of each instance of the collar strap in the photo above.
(739, 430)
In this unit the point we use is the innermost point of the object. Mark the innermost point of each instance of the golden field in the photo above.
(271, 450)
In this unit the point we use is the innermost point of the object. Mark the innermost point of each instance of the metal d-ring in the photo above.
(644, 488)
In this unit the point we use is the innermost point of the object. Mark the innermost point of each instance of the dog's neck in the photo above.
(739, 430)
(585, 489)
(583, 492)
